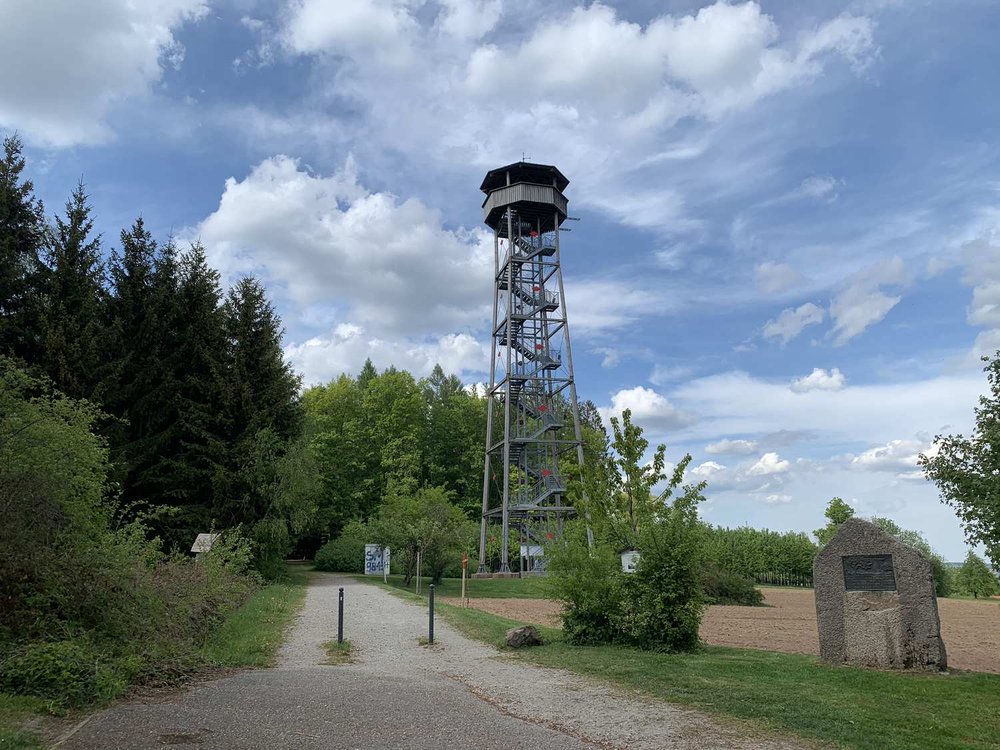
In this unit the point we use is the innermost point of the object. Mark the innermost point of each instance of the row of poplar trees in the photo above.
(203, 412)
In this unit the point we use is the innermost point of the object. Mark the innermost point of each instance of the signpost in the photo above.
(418, 570)
(465, 567)
(377, 561)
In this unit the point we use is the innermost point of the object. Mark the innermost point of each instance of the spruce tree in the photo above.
(72, 305)
(22, 236)
(139, 387)
(263, 410)
(192, 355)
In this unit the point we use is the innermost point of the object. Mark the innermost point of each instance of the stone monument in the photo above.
(875, 602)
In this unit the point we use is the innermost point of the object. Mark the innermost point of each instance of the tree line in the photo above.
(201, 413)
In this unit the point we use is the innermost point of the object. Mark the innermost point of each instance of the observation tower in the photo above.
(533, 422)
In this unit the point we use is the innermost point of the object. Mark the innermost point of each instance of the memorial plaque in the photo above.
(869, 573)
(875, 602)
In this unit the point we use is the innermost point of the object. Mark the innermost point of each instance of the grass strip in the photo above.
(251, 636)
(845, 706)
(338, 653)
(477, 588)
(14, 711)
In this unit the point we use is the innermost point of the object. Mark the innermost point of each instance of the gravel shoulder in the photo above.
(399, 694)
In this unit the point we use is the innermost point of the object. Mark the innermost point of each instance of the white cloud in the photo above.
(650, 410)
(346, 28)
(823, 187)
(705, 470)
(736, 447)
(604, 304)
(603, 109)
(897, 456)
(982, 263)
(791, 322)
(611, 357)
(68, 63)
(662, 374)
(819, 380)
(863, 303)
(346, 347)
(469, 19)
(325, 239)
(777, 499)
(774, 278)
(736, 403)
(723, 57)
(769, 463)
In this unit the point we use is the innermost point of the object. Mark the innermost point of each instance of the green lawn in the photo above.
(251, 636)
(789, 693)
(479, 588)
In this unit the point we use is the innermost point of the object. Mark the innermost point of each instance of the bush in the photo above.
(660, 605)
(346, 553)
(589, 583)
(663, 598)
(66, 672)
(722, 587)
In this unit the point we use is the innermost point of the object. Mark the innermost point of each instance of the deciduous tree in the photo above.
(967, 469)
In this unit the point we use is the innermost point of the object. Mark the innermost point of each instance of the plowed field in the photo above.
(971, 629)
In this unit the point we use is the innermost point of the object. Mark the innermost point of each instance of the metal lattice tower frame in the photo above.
(531, 363)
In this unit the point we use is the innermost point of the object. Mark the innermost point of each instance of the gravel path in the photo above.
(398, 694)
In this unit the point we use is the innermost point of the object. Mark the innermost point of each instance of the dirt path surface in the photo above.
(398, 694)
(971, 629)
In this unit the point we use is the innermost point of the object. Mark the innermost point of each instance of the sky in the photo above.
(787, 259)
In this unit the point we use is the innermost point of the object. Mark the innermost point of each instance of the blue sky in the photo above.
(787, 259)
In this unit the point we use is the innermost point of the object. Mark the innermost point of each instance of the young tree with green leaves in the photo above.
(976, 578)
(837, 511)
(660, 605)
(967, 469)
(428, 522)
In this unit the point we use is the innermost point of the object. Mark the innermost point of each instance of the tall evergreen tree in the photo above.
(193, 354)
(263, 410)
(72, 304)
(368, 374)
(139, 387)
(22, 236)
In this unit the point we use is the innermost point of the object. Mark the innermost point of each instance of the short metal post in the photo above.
(340, 616)
(430, 629)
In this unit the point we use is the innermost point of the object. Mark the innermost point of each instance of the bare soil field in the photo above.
(971, 629)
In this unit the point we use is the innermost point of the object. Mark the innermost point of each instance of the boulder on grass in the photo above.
(526, 635)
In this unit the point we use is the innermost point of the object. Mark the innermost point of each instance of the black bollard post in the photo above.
(430, 630)
(340, 616)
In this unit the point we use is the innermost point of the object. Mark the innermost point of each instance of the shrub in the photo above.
(589, 583)
(660, 605)
(66, 672)
(346, 553)
(722, 587)
(663, 598)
